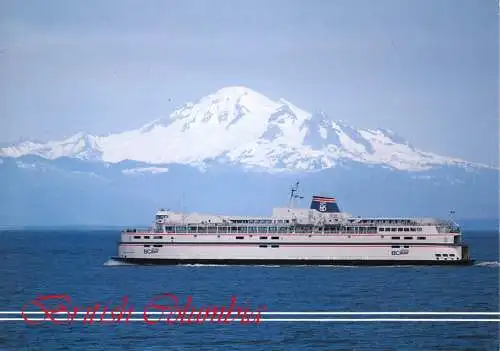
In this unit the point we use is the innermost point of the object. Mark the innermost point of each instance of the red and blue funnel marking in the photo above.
(324, 204)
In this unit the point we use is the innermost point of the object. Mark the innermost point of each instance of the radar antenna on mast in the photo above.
(452, 219)
(294, 189)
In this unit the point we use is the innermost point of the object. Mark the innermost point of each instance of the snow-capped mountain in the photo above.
(240, 126)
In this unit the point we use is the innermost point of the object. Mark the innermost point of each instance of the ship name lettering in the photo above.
(400, 252)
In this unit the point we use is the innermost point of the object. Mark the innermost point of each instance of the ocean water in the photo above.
(76, 263)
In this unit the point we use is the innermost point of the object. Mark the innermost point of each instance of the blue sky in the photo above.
(427, 69)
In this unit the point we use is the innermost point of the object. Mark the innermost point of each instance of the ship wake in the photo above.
(202, 265)
(494, 264)
(112, 263)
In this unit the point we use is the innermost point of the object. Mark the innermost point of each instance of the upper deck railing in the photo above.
(231, 228)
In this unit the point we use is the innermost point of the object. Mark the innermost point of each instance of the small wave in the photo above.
(226, 265)
(487, 264)
(262, 265)
(237, 265)
(202, 265)
(112, 262)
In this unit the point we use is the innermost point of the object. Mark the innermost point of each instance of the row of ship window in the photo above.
(408, 238)
(284, 229)
(239, 221)
(399, 229)
(277, 237)
(227, 229)
(260, 221)
(272, 229)
(387, 221)
(238, 237)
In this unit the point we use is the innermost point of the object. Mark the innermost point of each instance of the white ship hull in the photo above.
(337, 250)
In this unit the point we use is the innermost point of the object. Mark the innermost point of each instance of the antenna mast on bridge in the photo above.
(294, 189)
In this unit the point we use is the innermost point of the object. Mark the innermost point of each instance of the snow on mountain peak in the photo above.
(79, 145)
(242, 126)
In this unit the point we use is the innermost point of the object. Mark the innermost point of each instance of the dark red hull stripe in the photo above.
(168, 243)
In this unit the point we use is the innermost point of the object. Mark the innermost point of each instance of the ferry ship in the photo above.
(319, 235)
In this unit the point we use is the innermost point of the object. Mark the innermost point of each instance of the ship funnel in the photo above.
(324, 204)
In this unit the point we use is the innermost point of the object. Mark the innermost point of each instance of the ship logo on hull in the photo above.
(400, 252)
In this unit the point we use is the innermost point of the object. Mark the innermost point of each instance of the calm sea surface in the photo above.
(76, 263)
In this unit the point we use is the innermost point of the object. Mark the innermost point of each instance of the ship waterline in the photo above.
(319, 235)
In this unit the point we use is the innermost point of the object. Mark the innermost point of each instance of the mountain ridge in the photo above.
(69, 190)
(240, 126)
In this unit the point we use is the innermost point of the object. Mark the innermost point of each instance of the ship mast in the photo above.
(183, 215)
(452, 219)
(294, 189)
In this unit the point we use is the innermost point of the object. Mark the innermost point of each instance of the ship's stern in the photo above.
(466, 259)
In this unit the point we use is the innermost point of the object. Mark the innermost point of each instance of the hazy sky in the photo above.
(426, 69)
